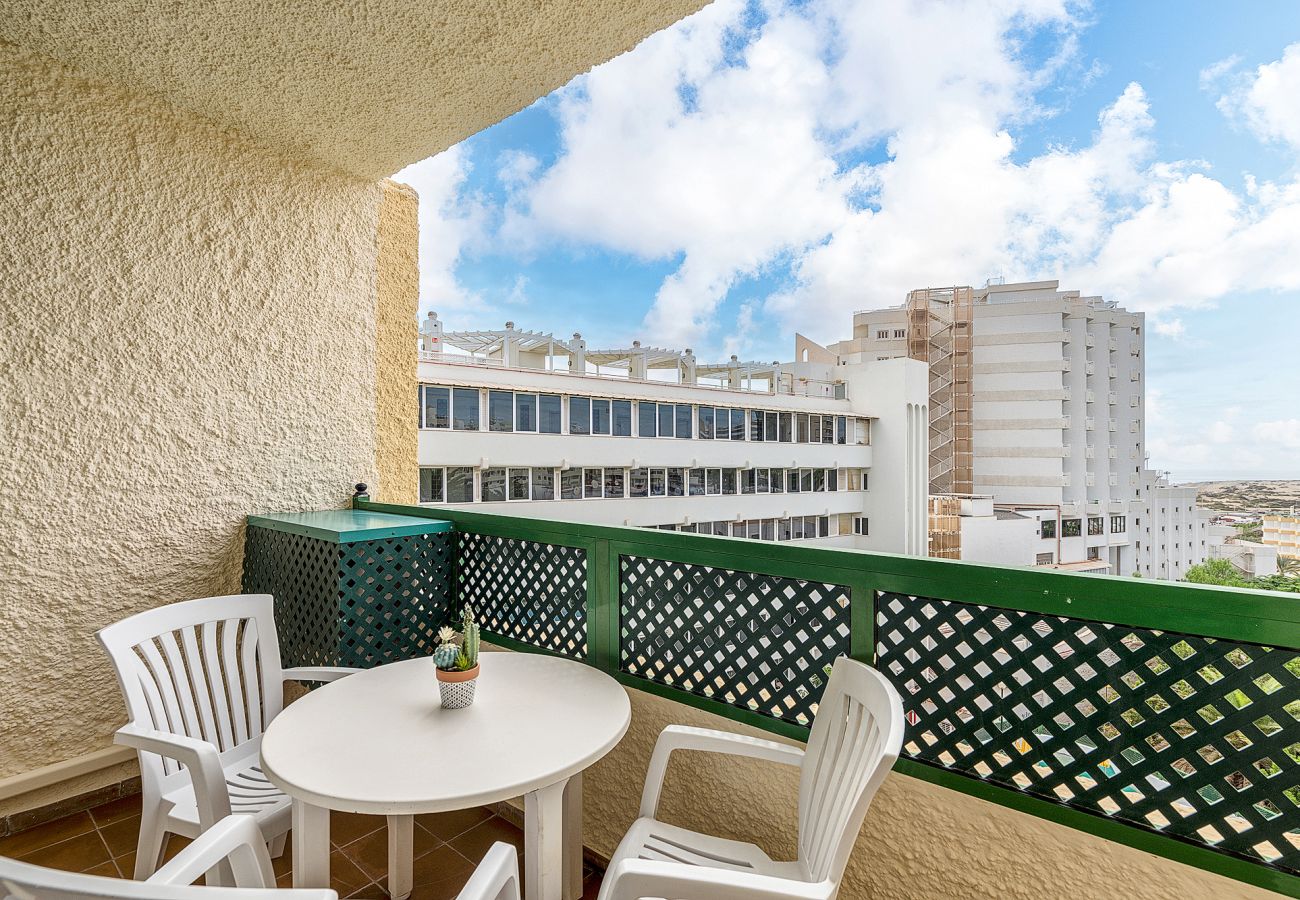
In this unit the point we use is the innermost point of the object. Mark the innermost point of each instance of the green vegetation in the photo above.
(1251, 532)
(1224, 573)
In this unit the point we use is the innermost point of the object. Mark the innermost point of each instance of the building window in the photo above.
(658, 482)
(801, 428)
(1118, 525)
(543, 484)
(494, 485)
(638, 482)
(728, 481)
(1071, 528)
(666, 413)
(697, 483)
(600, 417)
(525, 412)
(828, 429)
(760, 480)
(647, 419)
(519, 479)
(1045, 559)
(676, 482)
(614, 483)
(832, 479)
(549, 414)
(819, 479)
(1094, 553)
(860, 525)
(579, 415)
(737, 424)
(706, 423)
(571, 484)
(1047, 528)
(755, 425)
(770, 427)
(501, 411)
(749, 480)
(713, 481)
(787, 427)
(882, 334)
(593, 483)
(622, 412)
(464, 409)
(683, 421)
(900, 333)
(841, 430)
(435, 410)
(777, 477)
(1096, 525)
(460, 484)
(431, 485)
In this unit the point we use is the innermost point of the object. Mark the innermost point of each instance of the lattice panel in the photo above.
(301, 573)
(532, 592)
(1182, 735)
(394, 595)
(361, 604)
(757, 642)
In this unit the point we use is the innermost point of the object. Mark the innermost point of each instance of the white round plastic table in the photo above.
(378, 742)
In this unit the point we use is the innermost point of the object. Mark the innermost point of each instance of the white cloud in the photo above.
(1170, 328)
(1267, 100)
(516, 168)
(451, 221)
(1284, 433)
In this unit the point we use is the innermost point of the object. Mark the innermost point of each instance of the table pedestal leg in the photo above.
(401, 850)
(573, 838)
(311, 846)
(544, 843)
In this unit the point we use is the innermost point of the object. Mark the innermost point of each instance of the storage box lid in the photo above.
(347, 526)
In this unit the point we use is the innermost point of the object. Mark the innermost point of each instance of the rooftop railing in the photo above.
(1162, 716)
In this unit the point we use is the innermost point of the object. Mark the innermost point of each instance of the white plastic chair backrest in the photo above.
(496, 876)
(208, 669)
(23, 881)
(854, 742)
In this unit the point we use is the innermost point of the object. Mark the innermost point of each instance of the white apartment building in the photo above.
(1283, 532)
(1037, 398)
(513, 421)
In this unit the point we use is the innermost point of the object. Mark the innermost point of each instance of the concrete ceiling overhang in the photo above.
(367, 86)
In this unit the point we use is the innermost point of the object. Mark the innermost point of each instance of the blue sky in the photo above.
(765, 167)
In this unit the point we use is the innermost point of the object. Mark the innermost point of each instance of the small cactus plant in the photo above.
(469, 643)
(458, 652)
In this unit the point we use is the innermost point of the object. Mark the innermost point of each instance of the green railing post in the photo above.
(602, 618)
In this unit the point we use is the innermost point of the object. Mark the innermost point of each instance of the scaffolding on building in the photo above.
(939, 333)
(945, 526)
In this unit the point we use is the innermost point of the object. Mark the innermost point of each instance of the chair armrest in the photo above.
(629, 878)
(211, 795)
(317, 673)
(236, 840)
(496, 878)
(685, 737)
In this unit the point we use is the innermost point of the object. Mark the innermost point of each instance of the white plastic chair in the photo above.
(234, 843)
(202, 681)
(854, 742)
(497, 876)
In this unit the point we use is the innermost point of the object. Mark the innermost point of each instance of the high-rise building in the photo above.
(643, 436)
(1283, 532)
(1037, 400)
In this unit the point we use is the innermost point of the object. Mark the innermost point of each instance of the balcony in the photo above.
(1084, 702)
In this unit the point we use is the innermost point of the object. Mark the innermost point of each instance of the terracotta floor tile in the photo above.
(348, 827)
(108, 870)
(43, 835)
(345, 876)
(371, 851)
(474, 844)
(448, 825)
(283, 864)
(85, 851)
(121, 836)
(122, 808)
(440, 874)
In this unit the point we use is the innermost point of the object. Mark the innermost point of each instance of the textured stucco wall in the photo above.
(919, 842)
(187, 336)
(369, 87)
(398, 288)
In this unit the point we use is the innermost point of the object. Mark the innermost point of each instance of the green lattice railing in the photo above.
(1163, 716)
